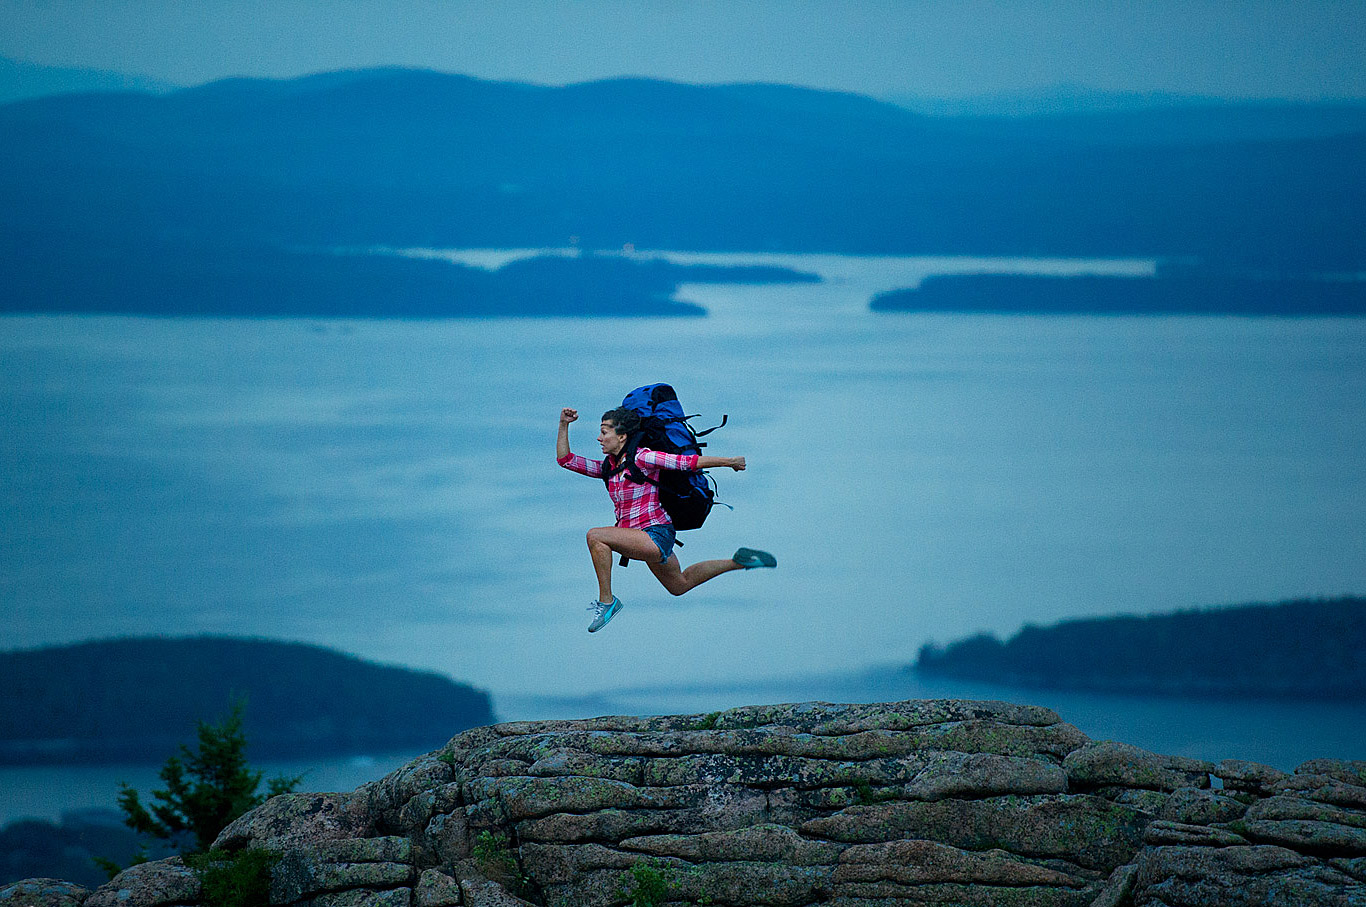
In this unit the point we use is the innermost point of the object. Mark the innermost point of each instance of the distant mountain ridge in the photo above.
(415, 158)
(136, 700)
(1304, 649)
(20, 79)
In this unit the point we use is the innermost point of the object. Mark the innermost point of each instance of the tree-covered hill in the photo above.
(412, 158)
(131, 700)
(1310, 649)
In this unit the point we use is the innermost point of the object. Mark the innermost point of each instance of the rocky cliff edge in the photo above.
(872, 805)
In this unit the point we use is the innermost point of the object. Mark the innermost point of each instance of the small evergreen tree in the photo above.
(206, 789)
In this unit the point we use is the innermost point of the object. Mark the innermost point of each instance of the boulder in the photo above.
(1297, 808)
(299, 820)
(561, 864)
(330, 866)
(1118, 764)
(1192, 806)
(42, 893)
(911, 863)
(1119, 888)
(384, 799)
(436, 889)
(1163, 833)
(1089, 831)
(163, 883)
(739, 882)
(1347, 771)
(1307, 836)
(1148, 801)
(1240, 774)
(480, 892)
(762, 843)
(522, 798)
(1325, 789)
(953, 774)
(361, 897)
(1251, 876)
(447, 836)
(417, 813)
(1353, 866)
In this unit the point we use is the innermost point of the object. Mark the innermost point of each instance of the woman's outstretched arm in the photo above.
(687, 462)
(735, 463)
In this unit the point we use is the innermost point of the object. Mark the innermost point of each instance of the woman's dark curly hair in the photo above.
(623, 420)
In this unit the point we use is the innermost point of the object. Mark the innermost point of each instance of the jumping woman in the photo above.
(643, 531)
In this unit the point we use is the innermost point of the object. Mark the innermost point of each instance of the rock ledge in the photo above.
(873, 805)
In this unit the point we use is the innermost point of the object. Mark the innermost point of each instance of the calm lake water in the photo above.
(390, 489)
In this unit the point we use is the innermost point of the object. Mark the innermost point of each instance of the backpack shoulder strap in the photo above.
(627, 462)
(632, 469)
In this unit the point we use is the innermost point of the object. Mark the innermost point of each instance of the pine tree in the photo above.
(206, 789)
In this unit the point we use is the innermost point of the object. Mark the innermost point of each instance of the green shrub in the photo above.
(707, 722)
(651, 886)
(239, 879)
(495, 859)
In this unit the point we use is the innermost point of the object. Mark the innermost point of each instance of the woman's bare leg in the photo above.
(634, 543)
(678, 581)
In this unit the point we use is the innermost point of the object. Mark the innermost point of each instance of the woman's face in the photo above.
(611, 442)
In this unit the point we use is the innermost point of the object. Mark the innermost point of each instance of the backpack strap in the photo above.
(632, 468)
(628, 463)
(708, 431)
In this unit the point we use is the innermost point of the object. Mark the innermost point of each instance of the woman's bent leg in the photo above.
(634, 543)
(678, 581)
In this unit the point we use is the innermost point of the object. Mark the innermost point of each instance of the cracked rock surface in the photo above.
(931, 802)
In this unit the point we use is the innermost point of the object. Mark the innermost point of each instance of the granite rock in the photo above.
(437, 889)
(43, 893)
(1251, 876)
(798, 805)
(162, 883)
(296, 820)
(1108, 763)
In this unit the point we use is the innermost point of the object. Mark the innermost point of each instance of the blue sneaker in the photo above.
(749, 558)
(602, 613)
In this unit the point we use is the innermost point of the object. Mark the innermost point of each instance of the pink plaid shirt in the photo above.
(637, 506)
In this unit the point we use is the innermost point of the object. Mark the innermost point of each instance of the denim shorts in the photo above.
(663, 535)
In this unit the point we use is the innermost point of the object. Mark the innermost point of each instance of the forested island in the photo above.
(136, 700)
(1195, 294)
(1304, 649)
(58, 273)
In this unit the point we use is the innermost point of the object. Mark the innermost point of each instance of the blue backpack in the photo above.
(687, 497)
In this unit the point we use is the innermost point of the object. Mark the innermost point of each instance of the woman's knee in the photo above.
(676, 584)
(595, 537)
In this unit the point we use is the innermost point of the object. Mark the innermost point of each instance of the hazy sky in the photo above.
(1235, 48)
